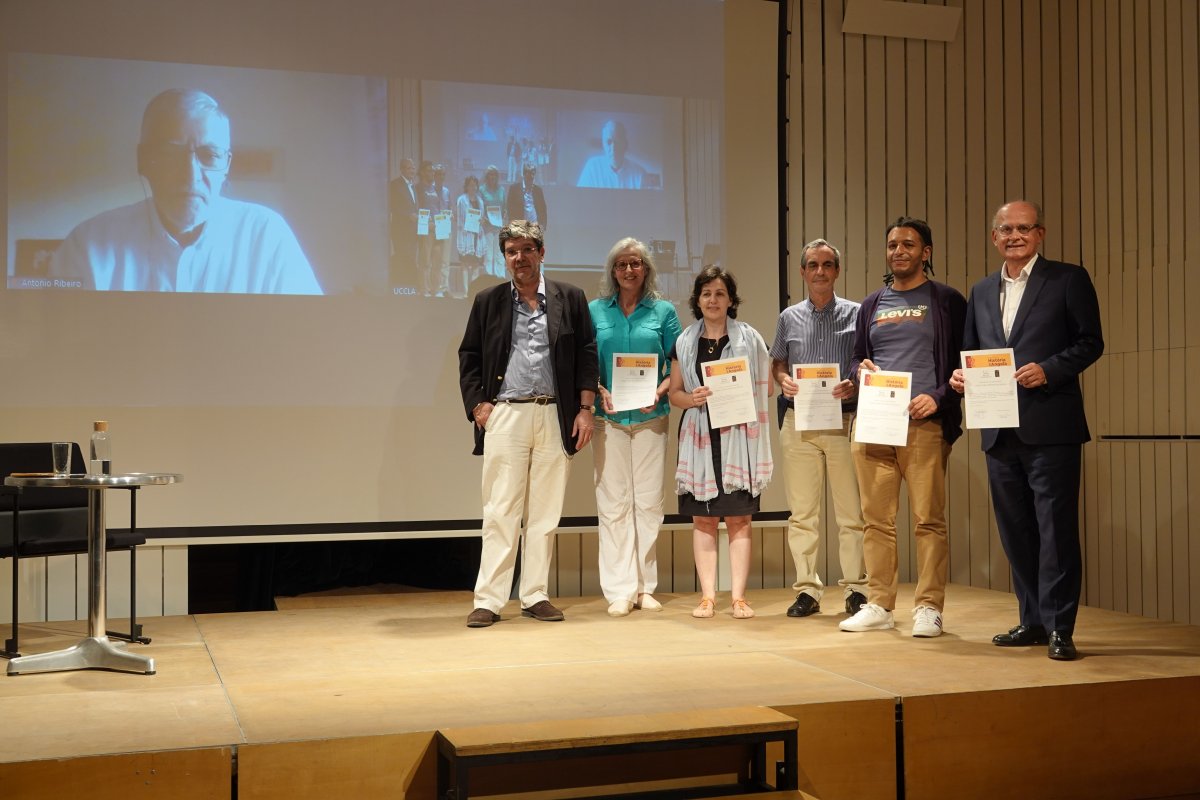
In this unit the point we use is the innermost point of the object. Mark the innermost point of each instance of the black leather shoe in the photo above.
(1021, 636)
(855, 602)
(805, 605)
(1061, 647)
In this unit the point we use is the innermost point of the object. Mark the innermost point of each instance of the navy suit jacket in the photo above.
(487, 344)
(1058, 327)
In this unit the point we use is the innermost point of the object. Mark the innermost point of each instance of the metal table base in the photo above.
(96, 651)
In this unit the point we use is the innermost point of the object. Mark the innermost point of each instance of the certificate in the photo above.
(422, 222)
(883, 399)
(990, 388)
(816, 407)
(493, 217)
(471, 223)
(441, 225)
(732, 398)
(634, 380)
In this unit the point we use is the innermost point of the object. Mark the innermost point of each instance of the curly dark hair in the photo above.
(923, 230)
(708, 275)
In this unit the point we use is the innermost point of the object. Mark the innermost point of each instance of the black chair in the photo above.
(50, 522)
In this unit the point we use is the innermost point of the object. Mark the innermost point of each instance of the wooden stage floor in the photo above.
(323, 669)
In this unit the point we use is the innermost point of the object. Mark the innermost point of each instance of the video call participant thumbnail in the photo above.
(186, 237)
(611, 169)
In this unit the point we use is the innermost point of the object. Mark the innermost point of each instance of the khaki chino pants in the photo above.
(922, 465)
(810, 459)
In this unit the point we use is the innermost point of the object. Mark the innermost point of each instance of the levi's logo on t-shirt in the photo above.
(898, 316)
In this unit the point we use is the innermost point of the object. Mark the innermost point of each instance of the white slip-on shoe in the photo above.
(870, 617)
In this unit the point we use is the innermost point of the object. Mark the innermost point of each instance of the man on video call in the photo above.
(611, 169)
(186, 237)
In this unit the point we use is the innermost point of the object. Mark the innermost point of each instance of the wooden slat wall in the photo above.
(1091, 108)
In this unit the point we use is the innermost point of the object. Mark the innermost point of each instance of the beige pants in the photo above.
(922, 465)
(629, 504)
(810, 458)
(522, 453)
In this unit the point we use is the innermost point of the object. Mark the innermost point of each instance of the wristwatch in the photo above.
(587, 407)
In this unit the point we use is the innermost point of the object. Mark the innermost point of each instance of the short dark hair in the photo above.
(923, 230)
(522, 229)
(707, 275)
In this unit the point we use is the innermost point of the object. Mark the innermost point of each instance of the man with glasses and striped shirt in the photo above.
(819, 330)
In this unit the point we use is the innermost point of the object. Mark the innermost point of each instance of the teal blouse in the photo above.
(653, 327)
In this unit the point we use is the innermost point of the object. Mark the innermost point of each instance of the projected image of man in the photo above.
(612, 169)
(186, 237)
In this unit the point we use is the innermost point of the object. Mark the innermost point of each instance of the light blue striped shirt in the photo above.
(530, 371)
(809, 335)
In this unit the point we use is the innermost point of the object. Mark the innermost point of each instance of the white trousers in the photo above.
(629, 463)
(809, 458)
(524, 476)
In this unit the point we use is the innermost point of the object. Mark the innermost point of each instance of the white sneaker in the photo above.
(870, 617)
(927, 622)
(620, 608)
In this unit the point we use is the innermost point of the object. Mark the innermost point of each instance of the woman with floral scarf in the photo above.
(721, 471)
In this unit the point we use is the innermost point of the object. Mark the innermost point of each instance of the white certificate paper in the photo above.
(422, 222)
(634, 380)
(732, 398)
(990, 388)
(471, 223)
(883, 399)
(816, 407)
(493, 217)
(441, 225)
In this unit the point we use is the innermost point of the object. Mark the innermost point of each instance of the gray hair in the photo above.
(169, 106)
(813, 245)
(608, 283)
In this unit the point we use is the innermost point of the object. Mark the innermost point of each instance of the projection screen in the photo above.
(300, 367)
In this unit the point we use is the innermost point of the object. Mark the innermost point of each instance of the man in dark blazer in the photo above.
(1047, 312)
(531, 207)
(402, 204)
(528, 375)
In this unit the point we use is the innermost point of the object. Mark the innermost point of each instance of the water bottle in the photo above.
(101, 450)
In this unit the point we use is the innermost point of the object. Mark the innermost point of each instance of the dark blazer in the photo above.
(515, 200)
(403, 230)
(1058, 327)
(487, 343)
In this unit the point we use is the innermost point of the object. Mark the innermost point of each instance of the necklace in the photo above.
(712, 343)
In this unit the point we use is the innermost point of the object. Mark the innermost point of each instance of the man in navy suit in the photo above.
(528, 375)
(1047, 312)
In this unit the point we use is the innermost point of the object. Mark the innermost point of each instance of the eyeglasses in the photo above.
(514, 252)
(210, 158)
(1009, 230)
(634, 265)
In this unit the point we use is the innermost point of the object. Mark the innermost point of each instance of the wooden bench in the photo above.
(610, 739)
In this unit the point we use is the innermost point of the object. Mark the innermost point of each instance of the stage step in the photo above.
(491, 755)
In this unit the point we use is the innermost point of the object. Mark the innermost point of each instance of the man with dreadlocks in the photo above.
(913, 324)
